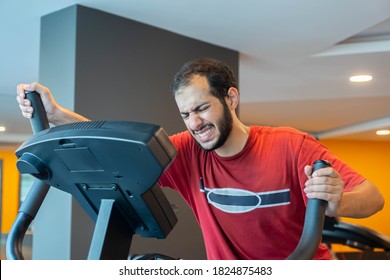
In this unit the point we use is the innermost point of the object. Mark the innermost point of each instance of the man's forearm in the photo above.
(361, 202)
(64, 116)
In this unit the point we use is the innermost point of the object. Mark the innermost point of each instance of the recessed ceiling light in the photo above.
(2, 128)
(360, 78)
(383, 132)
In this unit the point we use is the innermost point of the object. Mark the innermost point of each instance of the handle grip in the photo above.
(318, 164)
(313, 225)
(39, 119)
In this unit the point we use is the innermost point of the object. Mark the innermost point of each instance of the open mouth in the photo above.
(205, 133)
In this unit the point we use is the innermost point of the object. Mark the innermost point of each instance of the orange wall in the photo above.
(10, 190)
(372, 160)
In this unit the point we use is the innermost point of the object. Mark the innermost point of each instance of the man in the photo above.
(247, 185)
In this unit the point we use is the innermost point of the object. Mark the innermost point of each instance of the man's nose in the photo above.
(194, 121)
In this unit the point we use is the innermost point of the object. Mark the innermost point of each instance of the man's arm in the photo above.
(56, 114)
(362, 201)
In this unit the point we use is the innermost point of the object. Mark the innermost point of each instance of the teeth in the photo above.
(205, 133)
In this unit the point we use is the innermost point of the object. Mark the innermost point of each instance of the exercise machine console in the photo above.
(111, 168)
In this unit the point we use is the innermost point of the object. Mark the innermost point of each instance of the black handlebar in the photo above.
(39, 120)
(37, 193)
(313, 225)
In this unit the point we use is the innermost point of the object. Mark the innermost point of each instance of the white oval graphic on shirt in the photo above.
(220, 199)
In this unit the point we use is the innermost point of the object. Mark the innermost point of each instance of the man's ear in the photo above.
(233, 98)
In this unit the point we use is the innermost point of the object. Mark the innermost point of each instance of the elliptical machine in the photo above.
(112, 169)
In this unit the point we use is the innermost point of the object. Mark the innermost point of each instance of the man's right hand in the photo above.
(56, 114)
(48, 100)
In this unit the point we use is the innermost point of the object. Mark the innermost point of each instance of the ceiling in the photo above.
(295, 57)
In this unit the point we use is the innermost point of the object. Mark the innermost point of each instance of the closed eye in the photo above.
(203, 108)
(199, 109)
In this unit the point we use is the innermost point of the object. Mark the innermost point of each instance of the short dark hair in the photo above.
(219, 75)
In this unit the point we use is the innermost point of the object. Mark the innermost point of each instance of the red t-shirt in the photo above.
(251, 205)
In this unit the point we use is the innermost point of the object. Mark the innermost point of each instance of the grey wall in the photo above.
(125, 68)
(108, 67)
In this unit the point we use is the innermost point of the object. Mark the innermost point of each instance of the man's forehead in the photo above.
(192, 97)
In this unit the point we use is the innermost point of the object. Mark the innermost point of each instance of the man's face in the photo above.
(208, 121)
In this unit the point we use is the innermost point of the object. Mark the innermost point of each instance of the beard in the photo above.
(224, 126)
